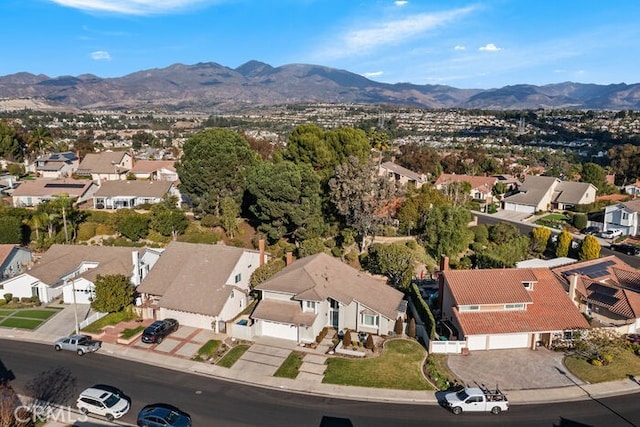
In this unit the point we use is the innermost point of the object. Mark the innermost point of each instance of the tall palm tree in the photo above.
(38, 141)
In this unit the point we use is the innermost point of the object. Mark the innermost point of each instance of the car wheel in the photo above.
(456, 410)
(80, 352)
(159, 340)
(109, 417)
(57, 347)
(495, 410)
(84, 411)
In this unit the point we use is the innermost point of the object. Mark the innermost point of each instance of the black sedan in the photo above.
(626, 249)
(163, 415)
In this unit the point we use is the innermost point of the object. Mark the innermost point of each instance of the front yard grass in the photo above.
(624, 363)
(130, 332)
(233, 355)
(18, 322)
(109, 319)
(291, 366)
(555, 220)
(208, 350)
(398, 367)
(35, 314)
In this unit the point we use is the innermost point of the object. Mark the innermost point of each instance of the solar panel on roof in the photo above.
(601, 289)
(604, 299)
(63, 185)
(592, 271)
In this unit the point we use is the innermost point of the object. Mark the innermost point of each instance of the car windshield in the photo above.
(111, 400)
(172, 417)
(462, 395)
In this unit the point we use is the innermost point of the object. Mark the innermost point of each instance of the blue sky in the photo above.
(465, 44)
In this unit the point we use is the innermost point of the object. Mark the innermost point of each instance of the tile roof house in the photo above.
(605, 289)
(321, 291)
(633, 189)
(157, 170)
(106, 166)
(623, 216)
(57, 165)
(131, 193)
(71, 270)
(13, 260)
(481, 186)
(401, 175)
(32, 193)
(507, 308)
(543, 193)
(200, 285)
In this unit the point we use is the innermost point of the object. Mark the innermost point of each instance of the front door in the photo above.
(334, 314)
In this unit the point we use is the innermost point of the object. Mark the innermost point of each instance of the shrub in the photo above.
(86, 231)
(397, 328)
(412, 328)
(596, 362)
(15, 300)
(25, 300)
(2, 302)
(35, 300)
(322, 334)
(8, 297)
(351, 256)
(99, 217)
(607, 359)
(336, 251)
(580, 221)
(346, 341)
(210, 221)
(369, 344)
(104, 229)
(423, 310)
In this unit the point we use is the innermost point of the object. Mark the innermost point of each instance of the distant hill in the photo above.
(210, 87)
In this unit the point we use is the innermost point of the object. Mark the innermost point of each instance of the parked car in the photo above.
(163, 415)
(611, 234)
(155, 332)
(81, 344)
(591, 230)
(633, 338)
(102, 402)
(626, 249)
(477, 399)
(113, 390)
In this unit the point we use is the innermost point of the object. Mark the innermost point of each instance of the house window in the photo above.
(370, 320)
(528, 285)
(238, 277)
(514, 306)
(625, 215)
(310, 306)
(469, 307)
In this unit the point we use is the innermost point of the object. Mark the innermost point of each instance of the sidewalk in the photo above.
(310, 384)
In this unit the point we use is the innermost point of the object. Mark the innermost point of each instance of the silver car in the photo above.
(81, 344)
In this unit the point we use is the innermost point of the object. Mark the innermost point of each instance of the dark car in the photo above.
(633, 338)
(155, 332)
(591, 230)
(162, 414)
(626, 249)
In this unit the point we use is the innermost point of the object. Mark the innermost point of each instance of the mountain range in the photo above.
(211, 87)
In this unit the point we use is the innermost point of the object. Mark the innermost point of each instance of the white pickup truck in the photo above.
(477, 399)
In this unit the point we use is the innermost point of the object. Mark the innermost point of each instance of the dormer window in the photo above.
(310, 306)
(528, 285)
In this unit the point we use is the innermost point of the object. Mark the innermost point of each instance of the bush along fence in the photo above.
(423, 310)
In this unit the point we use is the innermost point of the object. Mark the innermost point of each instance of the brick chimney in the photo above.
(289, 258)
(444, 262)
(573, 282)
(261, 249)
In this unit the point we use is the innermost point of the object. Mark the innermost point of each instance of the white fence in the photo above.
(242, 332)
(89, 320)
(447, 347)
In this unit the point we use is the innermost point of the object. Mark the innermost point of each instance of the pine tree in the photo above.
(346, 341)
(412, 328)
(398, 326)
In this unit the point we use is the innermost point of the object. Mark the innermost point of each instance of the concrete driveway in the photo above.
(515, 369)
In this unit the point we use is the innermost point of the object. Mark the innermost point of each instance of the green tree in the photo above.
(580, 221)
(444, 231)
(594, 174)
(285, 198)
(458, 192)
(395, 260)
(11, 143)
(10, 230)
(564, 243)
(215, 165)
(229, 212)
(309, 247)
(411, 330)
(359, 196)
(113, 293)
(132, 225)
(503, 232)
(589, 249)
(39, 141)
(540, 239)
(265, 271)
(416, 204)
(167, 219)
(84, 144)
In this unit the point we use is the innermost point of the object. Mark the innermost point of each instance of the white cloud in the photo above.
(373, 74)
(459, 47)
(100, 55)
(401, 3)
(132, 7)
(364, 40)
(490, 47)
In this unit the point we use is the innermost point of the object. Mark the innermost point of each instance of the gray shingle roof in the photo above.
(101, 162)
(133, 188)
(532, 190)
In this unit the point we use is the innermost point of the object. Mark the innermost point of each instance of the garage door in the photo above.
(194, 320)
(279, 330)
(508, 341)
(477, 342)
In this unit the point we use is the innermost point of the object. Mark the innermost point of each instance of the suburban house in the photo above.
(203, 286)
(106, 166)
(623, 216)
(131, 193)
(481, 186)
(156, 170)
(401, 175)
(70, 271)
(57, 165)
(605, 289)
(544, 193)
(633, 189)
(13, 260)
(32, 193)
(507, 308)
(321, 291)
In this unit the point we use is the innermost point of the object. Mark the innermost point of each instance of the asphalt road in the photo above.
(212, 402)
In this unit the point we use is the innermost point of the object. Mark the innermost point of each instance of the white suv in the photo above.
(102, 402)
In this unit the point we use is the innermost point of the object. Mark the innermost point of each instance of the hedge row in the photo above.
(423, 310)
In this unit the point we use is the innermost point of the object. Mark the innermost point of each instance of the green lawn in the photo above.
(110, 319)
(35, 314)
(130, 332)
(398, 367)
(233, 355)
(625, 363)
(6, 312)
(553, 221)
(291, 366)
(17, 322)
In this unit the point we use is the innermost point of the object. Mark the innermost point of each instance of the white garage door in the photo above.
(508, 341)
(194, 320)
(477, 342)
(279, 330)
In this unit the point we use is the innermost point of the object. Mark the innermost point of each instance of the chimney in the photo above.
(444, 262)
(135, 258)
(444, 266)
(573, 282)
(289, 257)
(261, 249)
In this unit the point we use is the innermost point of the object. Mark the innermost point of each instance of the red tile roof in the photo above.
(481, 183)
(493, 286)
(550, 308)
